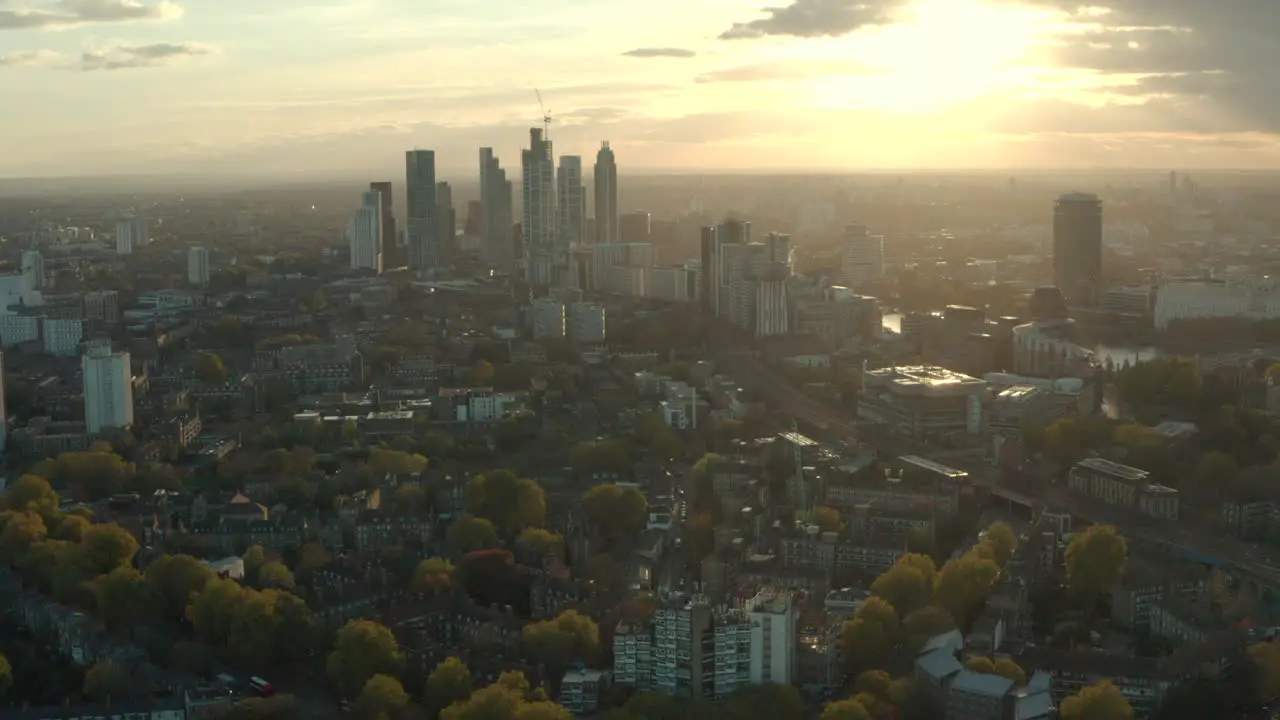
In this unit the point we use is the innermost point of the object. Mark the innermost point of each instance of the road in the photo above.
(786, 400)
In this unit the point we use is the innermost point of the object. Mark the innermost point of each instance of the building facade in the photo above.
(108, 389)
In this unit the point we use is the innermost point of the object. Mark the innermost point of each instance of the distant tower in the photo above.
(108, 389)
(572, 199)
(198, 266)
(538, 192)
(606, 196)
(497, 223)
(1077, 248)
(366, 233)
(423, 225)
(389, 236)
(33, 269)
(448, 223)
(131, 233)
(862, 259)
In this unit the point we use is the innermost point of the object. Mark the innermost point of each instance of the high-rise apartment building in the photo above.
(721, 261)
(497, 231)
(422, 214)
(198, 266)
(131, 234)
(572, 199)
(108, 389)
(586, 321)
(547, 319)
(606, 196)
(862, 258)
(389, 237)
(448, 232)
(636, 227)
(774, 622)
(366, 233)
(542, 247)
(1077, 248)
(33, 269)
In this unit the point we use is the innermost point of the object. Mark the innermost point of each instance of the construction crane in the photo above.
(546, 115)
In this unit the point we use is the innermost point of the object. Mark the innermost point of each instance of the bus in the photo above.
(262, 687)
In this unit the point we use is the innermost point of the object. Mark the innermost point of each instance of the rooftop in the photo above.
(923, 377)
(934, 467)
(972, 683)
(1114, 469)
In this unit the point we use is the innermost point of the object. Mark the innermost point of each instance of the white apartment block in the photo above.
(633, 656)
(773, 637)
(366, 233)
(198, 266)
(108, 389)
(131, 234)
(862, 262)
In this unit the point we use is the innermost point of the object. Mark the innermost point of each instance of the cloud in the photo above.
(124, 57)
(815, 18)
(26, 58)
(661, 52)
(69, 13)
(784, 71)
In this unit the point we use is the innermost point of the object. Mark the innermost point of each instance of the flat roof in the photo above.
(1114, 469)
(923, 375)
(931, 466)
(796, 438)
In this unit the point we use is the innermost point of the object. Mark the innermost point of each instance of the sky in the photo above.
(93, 87)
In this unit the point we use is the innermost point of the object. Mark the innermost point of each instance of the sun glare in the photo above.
(943, 51)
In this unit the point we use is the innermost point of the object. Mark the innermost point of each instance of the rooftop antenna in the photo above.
(546, 115)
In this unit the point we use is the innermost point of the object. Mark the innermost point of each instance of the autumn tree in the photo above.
(1004, 667)
(433, 576)
(122, 598)
(105, 547)
(980, 665)
(511, 503)
(1002, 540)
(449, 683)
(175, 579)
(904, 587)
(1095, 561)
(106, 681)
(275, 575)
(609, 456)
(94, 474)
(964, 583)
(362, 649)
(827, 518)
(397, 462)
(1103, 701)
(845, 710)
(381, 697)
(210, 369)
(469, 534)
(540, 543)
(867, 640)
(31, 492)
(926, 623)
(253, 558)
(613, 512)
(6, 675)
(557, 642)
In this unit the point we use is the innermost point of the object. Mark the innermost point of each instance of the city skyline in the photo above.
(332, 85)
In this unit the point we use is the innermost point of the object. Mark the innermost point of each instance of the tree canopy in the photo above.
(1097, 702)
(613, 511)
(361, 650)
(1095, 561)
(511, 503)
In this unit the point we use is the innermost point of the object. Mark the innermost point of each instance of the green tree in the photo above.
(614, 512)
(253, 558)
(1217, 472)
(963, 585)
(1004, 667)
(175, 579)
(468, 534)
(449, 683)
(214, 609)
(1002, 540)
(106, 547)
(845, 710)
(511, 503)
(433, 575)
(275, 574)
(31, 492)
(1097, 702)
(494, 702)
(397, 462)
(19, 532)
(1095, 560)
(541, 543)
(927, 622)
(381, 697)
(122, 598)
(875, 682)
(409, 499)
(865, 644)
(106, 681)
(608, 456)
(557, 642)
(95, 473)
(904, 587)
(210, 369)
(702, 536)
(362, 649)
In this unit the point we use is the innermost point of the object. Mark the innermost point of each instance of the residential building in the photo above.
(1077, 248)
(108, 389)
(581, 689)
(682, 656)
(606, 197)
(977, 696)
(103, 305)
(198, 266)
(548, 319)
(384, 190)
(131, 234)
(773, 637)
(62, 336)
(366, 233)
(587, 323)
(422, 212)
(571, 198)
(447, 235)
(633, 655)
(1123, 486)
(544, 255)
(498, 247)
(925, 402)
(862, 258)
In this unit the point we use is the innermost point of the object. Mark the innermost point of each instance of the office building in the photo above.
(33, 269)
(674, 284)
(62, 336)
(391, 241)
(102, 305)
(1123, 486)
(543, 253)
(635, 227)
(923, 402)
(773, 637)
(422, 215)
(862, 259)
(572, 199)
(498, 246)
(108, 389)
(1077, 248)
(131, 234)
(548, 319)
(448, 233)
(366, 233)
(606, 196)
(587, 323)
(198, 266)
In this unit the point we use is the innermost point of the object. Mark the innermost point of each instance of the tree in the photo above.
(880, 611)
(408, 499)
(449, 683)
(19, 533)
(1097, 702)
(210, 369)
(1095, 560)
(94, 474)
(31, 492)
(511, 503)
(865, 645)
(433, 576)
(275, 574)
(397, 462)
(381, 697)
(494, 702)
(875, 682)
(826, 518)
(214, 609)
(1217, 472)
(1004, 667)
(362, 649)
(614, 512)
(541, 543)
(1002, 540)
(6, 675)
(254, 558)
(106, 547)
(904, 587)
(469, 534)
(845, 710)
(121, 598)
(569, 636)
(176, 579)
(543, 711)
(927, 622)
(594, 457)
(106, 681)
(980, 665)
(963, 585)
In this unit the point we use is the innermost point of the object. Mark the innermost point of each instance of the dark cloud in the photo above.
(67, 13)
(783, 71)
(659, 53)
(124, 57)
(815, 18)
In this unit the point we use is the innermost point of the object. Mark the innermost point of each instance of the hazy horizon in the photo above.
(332, 87)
